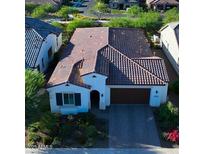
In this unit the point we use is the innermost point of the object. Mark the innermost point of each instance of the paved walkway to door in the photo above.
(132, 126)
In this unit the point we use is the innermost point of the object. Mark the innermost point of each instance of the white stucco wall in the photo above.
(170, 46)
(98, 83)
(85, 99)
(50, 41)
(155, 98)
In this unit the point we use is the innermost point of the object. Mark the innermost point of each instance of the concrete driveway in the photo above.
(132, 126)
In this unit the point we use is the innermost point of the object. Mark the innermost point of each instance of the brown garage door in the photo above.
(129, 96)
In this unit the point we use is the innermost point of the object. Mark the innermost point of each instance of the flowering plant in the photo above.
(173, 136)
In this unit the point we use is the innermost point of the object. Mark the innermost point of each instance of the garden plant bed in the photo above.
(166, 118)
(46, 128)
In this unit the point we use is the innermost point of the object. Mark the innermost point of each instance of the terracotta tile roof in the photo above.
(113, 52)
(125, 71)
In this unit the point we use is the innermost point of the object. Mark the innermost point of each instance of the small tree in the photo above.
(100, 8)
(34, 81)
(65, 10)
(134, 10)
(171, 16)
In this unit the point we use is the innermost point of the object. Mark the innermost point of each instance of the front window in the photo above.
(69, 99)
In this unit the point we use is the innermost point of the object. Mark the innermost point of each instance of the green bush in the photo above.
(33, 137)
(79, 24)
(57, 24)
(49, 123)
(168, 116)
(174, 87)
(47, 140)
(56, 142)
(134, 10)
(171, 16)
(34, 81)
(34, 127)
(64, 130)
(150, 21)
(86, 118)
(29, 7)
(42, 10)
(65, 10)
(91, 131)
(120, 22)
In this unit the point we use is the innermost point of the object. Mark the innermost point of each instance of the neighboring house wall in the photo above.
(170, 46)
(49, 42)
(85, 99)
(155, 98)
(97, 82)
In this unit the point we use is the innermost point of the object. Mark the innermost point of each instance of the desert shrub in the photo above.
(56, 142)
(86, 118)
(42, 10)
(174, 87)
(80, 136)
(59, 25)
(34, 127)
(79, 24)
(33, 137)
(91, 131)
(64, 130)
(47, 140)
(168, 116)
(90, 142)
(34, 81)
(120, 22)
(134, 10)
(29, 7)
(171, 16)
(150, 21)
(65, 10)
(49, 123)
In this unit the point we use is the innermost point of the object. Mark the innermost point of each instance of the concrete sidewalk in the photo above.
(102, 151)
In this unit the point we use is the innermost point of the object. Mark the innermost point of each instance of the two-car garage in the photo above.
(130, 95)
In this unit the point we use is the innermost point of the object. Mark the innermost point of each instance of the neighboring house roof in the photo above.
(41, 27)
(35, 33)
(54, 2)
(175, 27)
(33, 42)
(162, 2)
(112, 52)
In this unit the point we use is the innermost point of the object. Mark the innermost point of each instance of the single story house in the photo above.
(123, 4)
(55, 3)
(42, 40)
(169, 41)
(162, 4)
(104, 66)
